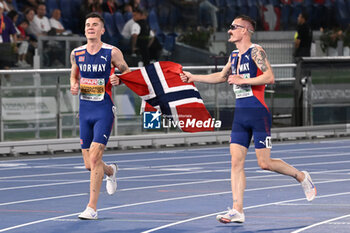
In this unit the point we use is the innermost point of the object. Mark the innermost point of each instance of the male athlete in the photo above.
(92, 72)
(249, 71)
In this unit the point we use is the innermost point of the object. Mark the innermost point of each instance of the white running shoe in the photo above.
(308, 187)
(231, 216)
(88, 214)
(111, 181)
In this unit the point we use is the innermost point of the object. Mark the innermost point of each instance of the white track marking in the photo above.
(321, 223)
(173, 199)
(170, 185)
(168, 158)
(43, 199)
(40, 175)
(246, 208)
(139, 168)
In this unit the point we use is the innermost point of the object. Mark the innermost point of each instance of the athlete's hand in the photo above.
(186, 77)
(74, 89)
(115, 80)
(235, 79)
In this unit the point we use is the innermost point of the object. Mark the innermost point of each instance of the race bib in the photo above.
(92, 89)
(242, 91)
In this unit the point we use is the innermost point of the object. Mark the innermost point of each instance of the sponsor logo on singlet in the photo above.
(92, 89)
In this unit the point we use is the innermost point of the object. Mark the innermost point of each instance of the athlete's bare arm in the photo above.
(119, 62)
(260, 58)
(74, 75)
(217, 77)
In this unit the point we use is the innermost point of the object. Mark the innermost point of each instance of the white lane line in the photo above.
(116, 220)
(121, 178)
(173, 199)
(218, 155)
(44, 185)
(171, 185)
(320, 223)
(156, 201)
(42, 174)
(246, 208)
(43, 199)
(140, 168)
(314, 204)
(123, 190)
(111, 208)
(168, 158)
(166, 166)
(225, 162)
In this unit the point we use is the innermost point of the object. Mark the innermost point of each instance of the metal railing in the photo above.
(46, 92)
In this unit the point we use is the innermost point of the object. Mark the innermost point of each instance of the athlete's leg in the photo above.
(108, 170)
(277, 165)
(238, 180)
(98, 169)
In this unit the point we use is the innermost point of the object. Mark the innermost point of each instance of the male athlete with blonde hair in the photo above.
(249, 71)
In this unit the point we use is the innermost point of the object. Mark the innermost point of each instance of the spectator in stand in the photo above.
(29, 14)
(7, 30)
(22, 41)
(13, 15)
(40, 24)
(24, 44)
(144, 38)
(130, 31)
(56, 23)
(303, 37)
(138, 38)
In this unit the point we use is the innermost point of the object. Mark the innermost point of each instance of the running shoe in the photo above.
(308, 187)
(231, 216)
(111, 181)
(88, 214)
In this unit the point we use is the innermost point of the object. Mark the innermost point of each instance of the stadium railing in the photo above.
(38, 113)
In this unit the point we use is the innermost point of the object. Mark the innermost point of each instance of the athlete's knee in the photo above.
(237, 163)
(87, 166)
(95, 161)
(265, 165)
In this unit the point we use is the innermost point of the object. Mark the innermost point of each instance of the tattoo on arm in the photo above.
(228, 72)
(72, 58)
(260, 58)
(122, 67)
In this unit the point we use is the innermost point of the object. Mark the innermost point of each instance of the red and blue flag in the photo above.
(160, 85)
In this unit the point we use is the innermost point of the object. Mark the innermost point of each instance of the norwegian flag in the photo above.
(160, 85)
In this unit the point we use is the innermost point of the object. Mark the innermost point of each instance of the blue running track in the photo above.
(178, 191)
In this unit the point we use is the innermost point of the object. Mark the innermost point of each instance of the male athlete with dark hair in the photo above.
(92, 72)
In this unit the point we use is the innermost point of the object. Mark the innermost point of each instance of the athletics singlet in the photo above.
(96, 108)
(252, 116)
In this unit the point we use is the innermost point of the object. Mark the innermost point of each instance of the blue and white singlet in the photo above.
(252, 116)
(96, 108)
